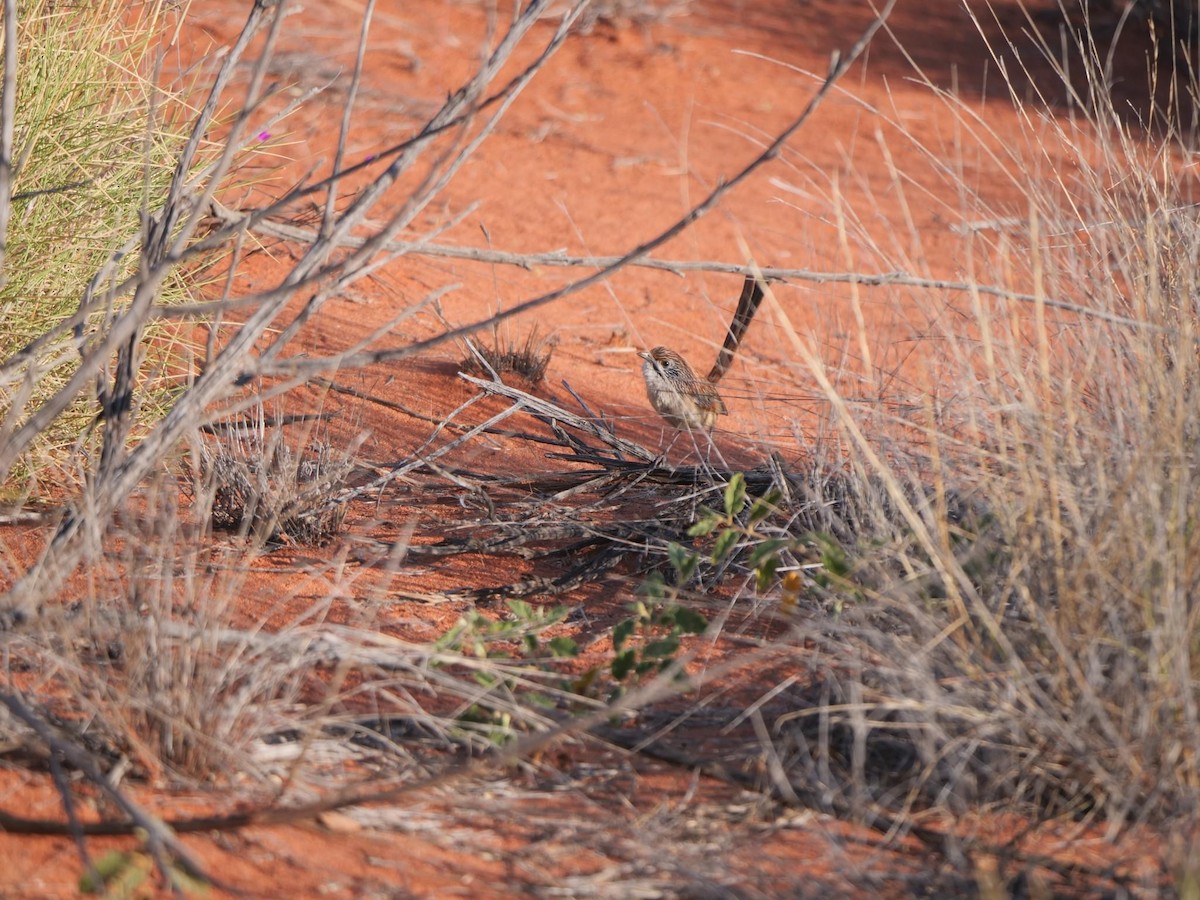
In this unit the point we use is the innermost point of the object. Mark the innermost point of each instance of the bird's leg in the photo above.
(660, 461)
(708, 454)
(703, 456)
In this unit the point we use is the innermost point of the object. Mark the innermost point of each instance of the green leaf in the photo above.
(622, 664)
(833, 557)
(735, 495)
(689, 621)
(764, 506)
(706, 525)
(123, 874)
(766, 549)
(563, 648)
(682, 560)
(188, 883)
(108, 865)
(583, 684)
(689, 569)
(652, 586)
(450, 640)
(521, 610)
(621, 633)
(725, 542)
(667, 646)
(765, 573)
(676, 554)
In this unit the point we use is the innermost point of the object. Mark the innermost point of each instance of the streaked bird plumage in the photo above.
(685, 401)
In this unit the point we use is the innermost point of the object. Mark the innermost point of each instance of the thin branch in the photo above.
(548, 412)
(76, 827)
(670, 681)
(445, 124)
(80, 523)
(8, 110)
(179, 183)
(559, 259)
(347, 114)
(839, 66)
(152, 270)
(237, 364)
(159, 837)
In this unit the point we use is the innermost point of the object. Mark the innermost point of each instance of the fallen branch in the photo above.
(160, 838)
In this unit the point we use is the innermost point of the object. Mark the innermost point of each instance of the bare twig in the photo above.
(558, 259)
(347, 113)
(548, 412)
(8, 110)
(73, 823)
(159, 837)
(153, 268)
(838, 67)
(670, 681)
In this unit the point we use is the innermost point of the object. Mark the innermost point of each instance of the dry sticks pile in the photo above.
(612, 501)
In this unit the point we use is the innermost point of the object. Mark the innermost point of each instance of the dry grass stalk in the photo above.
(1002, 616)
(528, 360)
(263, 489)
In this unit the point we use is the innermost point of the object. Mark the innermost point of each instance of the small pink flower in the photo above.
(264, 135)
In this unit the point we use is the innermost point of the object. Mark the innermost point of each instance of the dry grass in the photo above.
(93, 136)
(167, 669)
(157, 667)
(257, 486)
(981, 606)
(1031, 652)
(528, 360)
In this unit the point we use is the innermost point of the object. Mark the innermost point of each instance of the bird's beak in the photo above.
(645, 354)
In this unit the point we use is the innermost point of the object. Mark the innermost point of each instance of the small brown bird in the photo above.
(685, 401)
(688, 402)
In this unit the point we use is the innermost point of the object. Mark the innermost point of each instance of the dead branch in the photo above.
(308, 367)
(159, 837)
(8, 106)
(559, 259)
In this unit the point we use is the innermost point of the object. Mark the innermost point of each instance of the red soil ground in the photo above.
(627, 127)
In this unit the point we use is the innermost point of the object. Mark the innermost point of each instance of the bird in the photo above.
(685, 401)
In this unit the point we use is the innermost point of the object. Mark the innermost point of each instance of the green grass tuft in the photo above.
(95, 143)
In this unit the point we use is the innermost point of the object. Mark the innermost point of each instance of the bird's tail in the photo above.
(752, 294)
